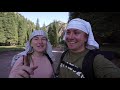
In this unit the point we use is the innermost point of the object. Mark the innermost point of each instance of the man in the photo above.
(80, 40)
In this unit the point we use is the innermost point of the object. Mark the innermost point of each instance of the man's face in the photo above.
(76, 39)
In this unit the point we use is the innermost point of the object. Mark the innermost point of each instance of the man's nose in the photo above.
(71, 36)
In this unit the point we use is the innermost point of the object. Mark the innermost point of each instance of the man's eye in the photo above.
(77, 33)
(68, 33)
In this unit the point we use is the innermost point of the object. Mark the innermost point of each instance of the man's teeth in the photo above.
(72, 42)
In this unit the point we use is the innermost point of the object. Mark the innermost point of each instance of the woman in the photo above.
(35, 61)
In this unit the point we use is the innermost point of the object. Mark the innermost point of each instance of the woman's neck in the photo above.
(37, 54)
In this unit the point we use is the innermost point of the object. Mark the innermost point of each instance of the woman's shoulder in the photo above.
(18, 62)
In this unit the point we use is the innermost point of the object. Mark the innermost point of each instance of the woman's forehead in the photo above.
(41, 36)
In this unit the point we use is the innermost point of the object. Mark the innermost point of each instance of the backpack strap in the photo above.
(49, 58)
(110, 55)
(62, 56)
(87, 65)
(77, 69)
(61, 59)
(74, 68)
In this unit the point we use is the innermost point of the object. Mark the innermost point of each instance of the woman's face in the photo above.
(76, 39)
(39, 43)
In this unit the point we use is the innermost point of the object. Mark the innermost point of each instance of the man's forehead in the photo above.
(73, 29)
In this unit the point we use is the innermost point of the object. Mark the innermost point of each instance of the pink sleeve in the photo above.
(15, 67)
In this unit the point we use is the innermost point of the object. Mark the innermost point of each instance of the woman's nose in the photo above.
(40, 41)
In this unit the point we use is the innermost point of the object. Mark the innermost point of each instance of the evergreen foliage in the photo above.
(37, 25)
(14, 28)
(105, 25)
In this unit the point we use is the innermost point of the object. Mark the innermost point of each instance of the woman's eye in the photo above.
(44, 39)
(35, 38)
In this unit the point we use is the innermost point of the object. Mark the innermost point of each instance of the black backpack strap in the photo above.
(49, 58)
(87, 65)
(62, 56)
(77, 69)
(110, 55)
(61, 59)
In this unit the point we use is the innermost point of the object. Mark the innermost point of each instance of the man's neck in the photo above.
(78, 51)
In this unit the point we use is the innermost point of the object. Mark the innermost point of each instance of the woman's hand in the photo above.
(20, 70)
(25, 71)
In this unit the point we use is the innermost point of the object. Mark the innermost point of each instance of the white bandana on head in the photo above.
(28, 47)
(84, 26)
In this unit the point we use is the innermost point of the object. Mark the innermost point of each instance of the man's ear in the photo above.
(86, 37)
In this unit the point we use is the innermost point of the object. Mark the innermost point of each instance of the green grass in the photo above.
(11, 48)
(20, 48)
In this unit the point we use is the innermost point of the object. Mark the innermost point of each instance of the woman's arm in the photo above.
(21, 71)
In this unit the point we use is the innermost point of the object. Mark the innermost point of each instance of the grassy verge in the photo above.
(20, 48)
(11, 48)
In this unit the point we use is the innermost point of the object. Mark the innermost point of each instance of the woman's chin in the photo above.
(39, 51)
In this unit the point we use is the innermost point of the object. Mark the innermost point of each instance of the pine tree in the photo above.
(10, 29)
(2, 33)
(105, 25)
(21, 32)
(37, 25)
(14, 28)
(52, 34)
(30, 28)
(44, 27)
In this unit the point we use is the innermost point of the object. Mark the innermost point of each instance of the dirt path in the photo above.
(5, 60)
